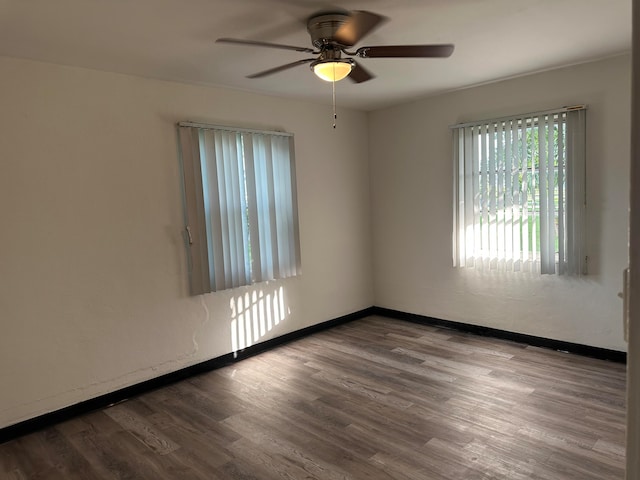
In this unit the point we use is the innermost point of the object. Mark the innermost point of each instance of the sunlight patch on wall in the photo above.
(254, 314)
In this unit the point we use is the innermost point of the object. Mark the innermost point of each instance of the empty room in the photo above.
(298, 239)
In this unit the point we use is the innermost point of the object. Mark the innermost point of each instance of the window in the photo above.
(519, 193)
(241, 208)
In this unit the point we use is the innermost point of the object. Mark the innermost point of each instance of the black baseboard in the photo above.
(585, 350)
(37, 423)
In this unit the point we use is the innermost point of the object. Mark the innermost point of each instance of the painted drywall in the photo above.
(411, 172)
(93, 276)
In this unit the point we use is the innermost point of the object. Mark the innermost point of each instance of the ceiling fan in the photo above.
(332, 34)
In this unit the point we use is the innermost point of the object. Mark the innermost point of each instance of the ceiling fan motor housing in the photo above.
(323, 28)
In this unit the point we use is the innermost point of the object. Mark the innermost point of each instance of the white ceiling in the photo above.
(174, 40)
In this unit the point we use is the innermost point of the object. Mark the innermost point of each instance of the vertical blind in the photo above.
(241, 207)
(519, 193)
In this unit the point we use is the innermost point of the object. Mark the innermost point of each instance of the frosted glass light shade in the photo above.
(332, 71)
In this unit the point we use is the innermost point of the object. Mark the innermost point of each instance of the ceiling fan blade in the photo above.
(406, 51)
(360, 74)
(360, 23)
(281, 68)
(256, 43)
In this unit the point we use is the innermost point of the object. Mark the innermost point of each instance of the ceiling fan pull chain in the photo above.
(335, 116)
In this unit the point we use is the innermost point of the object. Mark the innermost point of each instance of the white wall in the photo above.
(93, 281)
(411, 171)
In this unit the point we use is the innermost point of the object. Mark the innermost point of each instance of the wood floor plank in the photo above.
(141, 429)
(371, 399)
(289, 444)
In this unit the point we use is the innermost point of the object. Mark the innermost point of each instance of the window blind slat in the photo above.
(194, 211)
(561, 195)
(576, 256)
(286, 251)
(515, 196)
(456, 199)
(492, 225)
(458, 235)
(544, 182)
(226, 208)
(296, 265)
(526, 256)
(533, 197)
(486, 198)
(551, 196)
(252, 206)
(500, 202)
(262, 181)
(271, 241)
(212, 207)
(508, 194)
(468, 199)
(475, 194)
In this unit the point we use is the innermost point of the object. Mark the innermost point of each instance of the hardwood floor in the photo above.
(372, 399)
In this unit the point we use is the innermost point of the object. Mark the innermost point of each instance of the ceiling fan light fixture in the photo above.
(332, 70)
